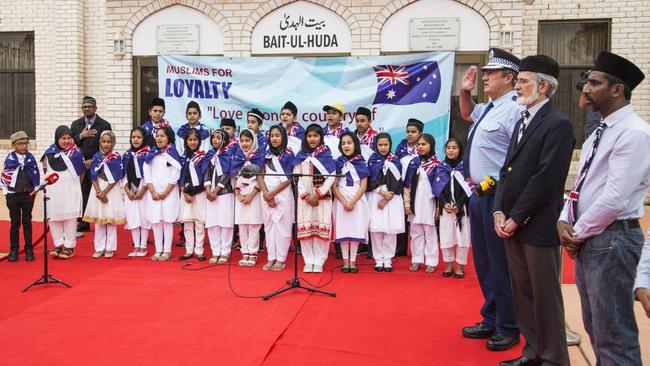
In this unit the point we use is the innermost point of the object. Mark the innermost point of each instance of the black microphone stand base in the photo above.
(46, 280)
(295, 282)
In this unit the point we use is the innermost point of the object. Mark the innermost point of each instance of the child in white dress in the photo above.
(351, 207)
(385, 202)
(193, 201)
(105, 207)
(161, 174)
(248, 204)
(135, 190)
(65, 201)
(277, 204)
(453, 194)
(420, 205)
(220, 215)
(314, 198)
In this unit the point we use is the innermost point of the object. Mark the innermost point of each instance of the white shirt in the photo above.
(619, 176)
(643, 270)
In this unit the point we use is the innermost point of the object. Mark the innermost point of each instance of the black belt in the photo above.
(624, 225)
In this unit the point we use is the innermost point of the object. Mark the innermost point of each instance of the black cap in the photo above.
(157, 102)
(364, 112)
(541, 64)
(620, 67)
(257, 114)
(290, 106)
(227, 122)
(415, 123)
(499, 59)
(193, 104)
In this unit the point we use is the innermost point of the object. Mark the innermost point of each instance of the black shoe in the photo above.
(521, 361)
(446, 274)
(502, 342)
(363, 249)
(388, 269)
(379, 269)
(185, 256)
(13, 255)
(201, 258)
(354, 270)
(29, 254)
(478, 331)
(83, 227)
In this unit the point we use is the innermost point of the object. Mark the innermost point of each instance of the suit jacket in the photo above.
(531, 183)
(89, 145)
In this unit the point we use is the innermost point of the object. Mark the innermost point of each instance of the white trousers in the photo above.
(194, 237)
(140, 237)
(249, 238)
(105, 238)
(220, 240)
(162, 236)
(278, 240)
(64, 232)
(349, 250)
(383, 248)
(457, 253)
(424, 244)
(314, 251)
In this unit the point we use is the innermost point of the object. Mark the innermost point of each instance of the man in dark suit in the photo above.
(527, 205)
(86, 132)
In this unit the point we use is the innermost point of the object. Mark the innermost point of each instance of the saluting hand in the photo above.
(469, 80)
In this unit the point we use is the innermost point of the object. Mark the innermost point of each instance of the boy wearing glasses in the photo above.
(19, 177)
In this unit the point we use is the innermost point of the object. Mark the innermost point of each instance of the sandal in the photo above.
(98, 254)
(252, 260)
(165, 257)
(268, 265)
(67, 253)
(134, 253)
(224, 259)
(414, 267)
(56, 252)
(142, 252)
(430, 269)
(278, 266)
(213, 260)
(243, 262)
(155, 256)
(446, 273)
(109, 254)
(459, 274)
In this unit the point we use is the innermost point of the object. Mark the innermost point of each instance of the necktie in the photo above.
(471, 138)
(522, 126)
(572, 201)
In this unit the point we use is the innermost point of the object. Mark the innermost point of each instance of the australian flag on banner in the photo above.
(409, 84)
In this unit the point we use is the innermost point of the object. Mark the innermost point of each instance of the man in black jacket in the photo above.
(527, 205)
(86, 132)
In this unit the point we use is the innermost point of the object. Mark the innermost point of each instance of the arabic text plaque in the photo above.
(433, 34)
(177, 39)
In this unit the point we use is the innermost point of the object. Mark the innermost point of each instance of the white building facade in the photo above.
(54, 53)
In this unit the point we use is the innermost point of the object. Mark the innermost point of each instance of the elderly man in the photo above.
(86, 132)
(489, 137)
(527, 205)
(599, 224)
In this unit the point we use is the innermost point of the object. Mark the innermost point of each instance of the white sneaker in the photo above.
(165, 257)
(141, 254)
(309, 268)
(318, 268)
(98, 254)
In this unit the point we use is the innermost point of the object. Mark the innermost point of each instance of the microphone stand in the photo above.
(45, 278)
(295, 281)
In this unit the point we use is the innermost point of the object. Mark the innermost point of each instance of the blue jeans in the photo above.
(491, 266)
(605, 272)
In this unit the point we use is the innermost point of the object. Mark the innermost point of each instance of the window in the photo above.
(17, 85)
(575, 45)
(145, 86)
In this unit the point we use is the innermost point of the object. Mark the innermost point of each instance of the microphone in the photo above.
(49, 180)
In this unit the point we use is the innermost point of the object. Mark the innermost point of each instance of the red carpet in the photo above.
(135, 311)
